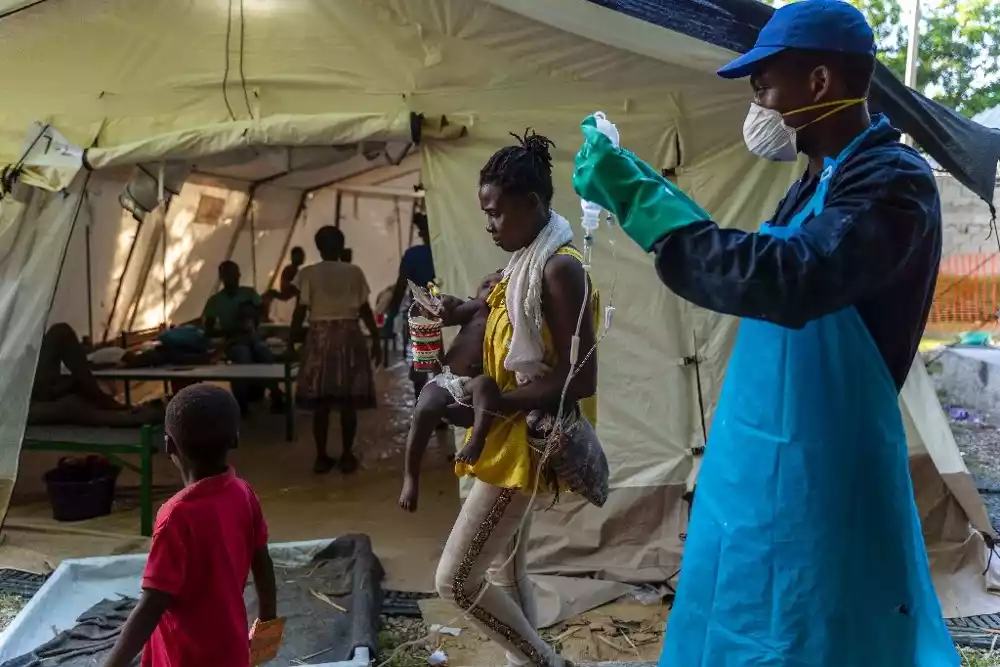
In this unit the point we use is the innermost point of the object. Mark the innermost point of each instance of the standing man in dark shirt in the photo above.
(287, 290)
(416, 264)
(298, 257)
(804, 545)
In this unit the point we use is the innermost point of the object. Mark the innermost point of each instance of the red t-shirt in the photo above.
(203, 544)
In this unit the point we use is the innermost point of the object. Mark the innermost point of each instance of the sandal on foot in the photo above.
(348, 464)
(324, 465)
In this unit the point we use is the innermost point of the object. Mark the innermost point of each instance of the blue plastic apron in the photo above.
(805, 548)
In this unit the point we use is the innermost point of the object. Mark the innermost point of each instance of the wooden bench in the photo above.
(111, 443)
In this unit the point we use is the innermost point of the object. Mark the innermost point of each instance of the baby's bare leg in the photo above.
(478, 388)
(427, 415)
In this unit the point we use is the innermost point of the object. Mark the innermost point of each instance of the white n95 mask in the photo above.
(767, 136)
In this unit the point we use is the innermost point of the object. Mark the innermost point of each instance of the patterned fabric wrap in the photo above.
(425, 337)
(574, 457)
(336, 369)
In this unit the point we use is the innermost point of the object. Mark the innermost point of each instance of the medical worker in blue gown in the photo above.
(804, 548)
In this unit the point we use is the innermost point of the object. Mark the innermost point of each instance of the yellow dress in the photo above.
(507, 459)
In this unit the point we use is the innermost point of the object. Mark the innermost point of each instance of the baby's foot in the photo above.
(470, 453)
(409, 494)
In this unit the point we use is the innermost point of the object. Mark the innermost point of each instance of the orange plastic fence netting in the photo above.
(968, 290)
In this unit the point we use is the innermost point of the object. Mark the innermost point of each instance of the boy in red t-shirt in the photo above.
(207, 539)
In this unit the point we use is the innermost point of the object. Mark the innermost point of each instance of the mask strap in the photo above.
(838, 106)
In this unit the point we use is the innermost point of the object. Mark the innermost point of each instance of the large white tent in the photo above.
(282, 96)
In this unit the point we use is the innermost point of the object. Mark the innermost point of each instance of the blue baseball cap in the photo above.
(819, 25)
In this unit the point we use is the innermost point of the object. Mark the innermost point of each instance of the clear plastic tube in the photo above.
(588, 251)
(591, 219)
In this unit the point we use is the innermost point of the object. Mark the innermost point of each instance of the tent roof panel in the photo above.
(122, 73)
(305, 168)
(270, 163)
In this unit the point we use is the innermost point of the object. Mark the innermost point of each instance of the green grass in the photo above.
(411, 656)
(974, 658)
(10, 606)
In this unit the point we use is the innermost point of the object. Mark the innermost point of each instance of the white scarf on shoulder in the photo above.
(524, 275)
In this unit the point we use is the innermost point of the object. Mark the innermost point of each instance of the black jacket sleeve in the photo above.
(879, 208)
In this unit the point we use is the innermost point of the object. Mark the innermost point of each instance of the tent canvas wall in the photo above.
(121, 263)
(145, 86)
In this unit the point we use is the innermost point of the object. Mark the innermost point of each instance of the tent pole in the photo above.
(368, 172)
(701, 398)
(90, 286)
(251, 191)
(239, 228)
(253, 248)
(163, 260)
(160, 183)
(288, 239)
(124, 274)
(148, 261)
(121, 280)
(336, 209)
(399, 228)
(378, 191)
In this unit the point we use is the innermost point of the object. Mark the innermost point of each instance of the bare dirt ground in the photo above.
(10, 605)
(978, 438)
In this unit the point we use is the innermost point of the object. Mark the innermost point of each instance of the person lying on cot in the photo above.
(76, 397)
(459, 379)
(207, 539)
(230, 317)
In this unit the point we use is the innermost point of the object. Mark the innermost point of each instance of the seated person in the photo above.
(76, 398)
(460, 379)
(231, 316)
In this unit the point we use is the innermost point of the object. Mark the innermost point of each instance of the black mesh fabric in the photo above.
(965, 149)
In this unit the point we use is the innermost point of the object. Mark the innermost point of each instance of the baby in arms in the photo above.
(459, 379)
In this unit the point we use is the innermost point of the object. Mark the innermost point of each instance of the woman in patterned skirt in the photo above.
(336, 370)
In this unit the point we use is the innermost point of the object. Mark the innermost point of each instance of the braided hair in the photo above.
(524, 168)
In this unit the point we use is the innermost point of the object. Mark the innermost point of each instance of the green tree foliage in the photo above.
(959, 57)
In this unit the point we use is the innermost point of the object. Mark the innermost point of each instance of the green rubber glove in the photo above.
(649, 172)
(647, 205)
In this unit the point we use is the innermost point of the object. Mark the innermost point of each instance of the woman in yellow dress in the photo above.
(532, 322)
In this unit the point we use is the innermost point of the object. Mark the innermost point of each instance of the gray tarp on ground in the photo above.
(346, 572)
